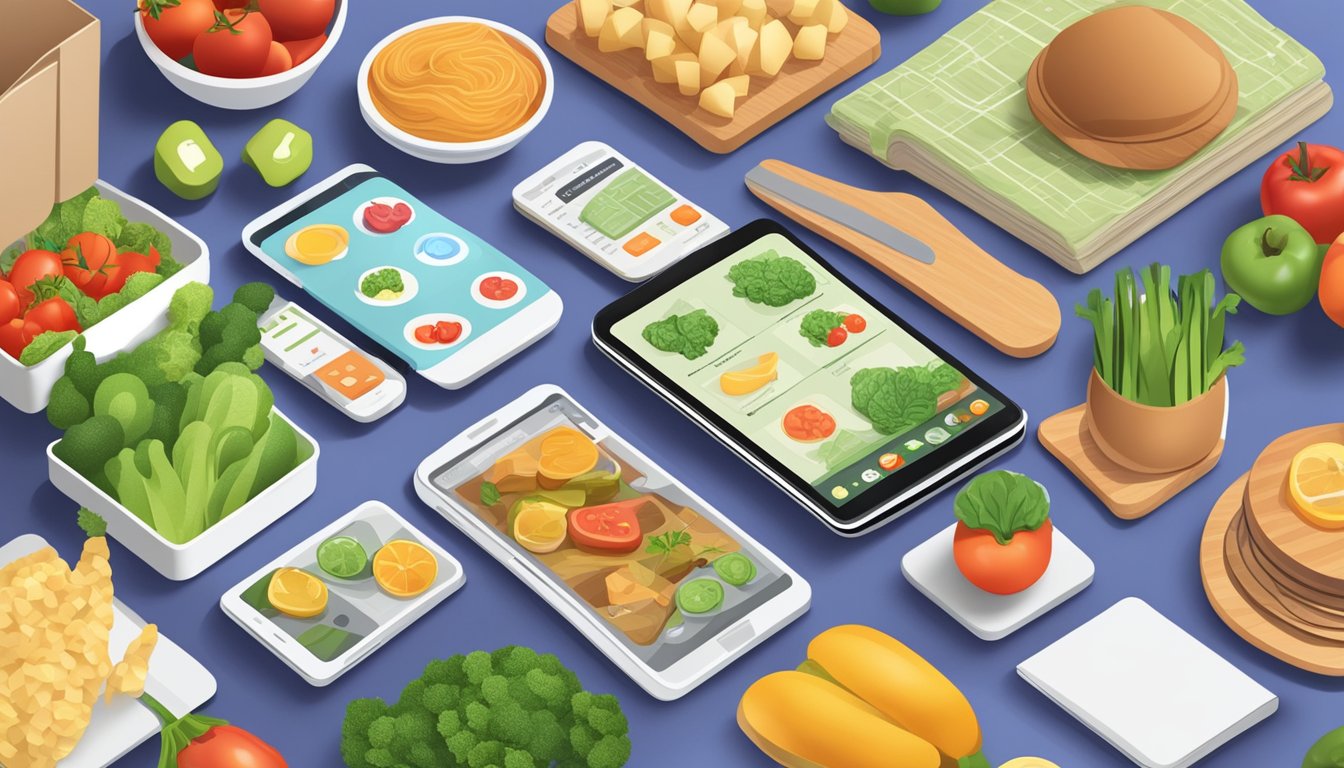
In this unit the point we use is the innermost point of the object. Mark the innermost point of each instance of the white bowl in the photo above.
(180, 562)
(28, 387)
(450, 151)
(235, 92)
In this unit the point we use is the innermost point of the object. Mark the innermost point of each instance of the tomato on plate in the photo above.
(31, 267)
(855, 323)
(386, 219)
(237, 45)
(612, 527)
(498, 288)
(447, 331)
(297, 19)
(808, 424)
(425, 334)
(1332, 282)
(226, 746)
(303, 50)
(837, 336)
(10, 307)
(17, 334)
(1002, 569)
(1307, 185)
(174, 24)
(88, 261)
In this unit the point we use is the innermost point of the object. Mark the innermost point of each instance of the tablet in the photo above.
(656, 578)
(832, 396)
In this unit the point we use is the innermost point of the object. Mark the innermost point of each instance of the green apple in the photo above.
(1273, 263)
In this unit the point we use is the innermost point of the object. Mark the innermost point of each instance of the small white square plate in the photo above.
(931, 569)
(1145, 685)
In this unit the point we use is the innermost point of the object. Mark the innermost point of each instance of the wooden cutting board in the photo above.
(1308, 553)
(770, 99)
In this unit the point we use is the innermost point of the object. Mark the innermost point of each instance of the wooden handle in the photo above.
(1015, 314)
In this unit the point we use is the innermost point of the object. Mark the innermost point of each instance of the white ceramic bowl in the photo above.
(240, 93)
(445, 151)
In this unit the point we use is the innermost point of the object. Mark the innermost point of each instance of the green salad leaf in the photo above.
(688, 335)
(1003, 503)
(818, 324)
(44, 345)
(895, 400)
(771, 279)
(489, 494)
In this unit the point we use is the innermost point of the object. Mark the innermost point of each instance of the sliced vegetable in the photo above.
(735, 568)
(699, 596)
(612, 527)
(342, 556)
(281, 151)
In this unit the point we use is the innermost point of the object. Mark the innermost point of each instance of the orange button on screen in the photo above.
(641, 244)
(685, 215)
(351, 374)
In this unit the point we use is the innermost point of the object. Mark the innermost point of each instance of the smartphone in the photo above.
(354, 382)
(660, 581)
(423, 287)
(615, 212)
(325, 605)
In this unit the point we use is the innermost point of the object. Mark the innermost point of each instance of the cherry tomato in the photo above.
(446, 331)
(17, 334)
(297, 19)
(385, 219)
(303, 50)
(88, 261)
(174, 24)
(855, 323)
(236, 46)
(1002, 569)
(53, 314)
(609, 528)
(837, 336)
(227, 746)
(498, 288)
(10, 307)
(1306, 184)
(277, 60)
(1332, 282)
(31, 267)
(426, 334)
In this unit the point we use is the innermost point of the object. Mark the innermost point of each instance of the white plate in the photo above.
(931, 569)
(176, 680)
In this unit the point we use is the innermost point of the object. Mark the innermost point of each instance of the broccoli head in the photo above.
(511, 708)
(189, 305)
(86, 447)
(255, 296)
(383, 281)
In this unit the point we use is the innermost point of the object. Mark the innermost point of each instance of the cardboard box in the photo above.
(49, 61)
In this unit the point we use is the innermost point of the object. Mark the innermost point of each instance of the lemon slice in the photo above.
(1316, 484)
(748, 380)
(297, 593)
(540, 528)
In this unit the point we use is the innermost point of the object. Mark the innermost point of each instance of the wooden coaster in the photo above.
(1279, 640)
(1129, 495)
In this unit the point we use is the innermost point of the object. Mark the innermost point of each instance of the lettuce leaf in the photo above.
(689, 335)
(1003, 503)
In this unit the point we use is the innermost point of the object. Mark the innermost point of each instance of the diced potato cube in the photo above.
(727, 8)
(593, 14)
(659, 39)
(688, 76)
(773, 47)
(715, 56)
(833, 14)
(810, 44)
(744, 40)
(726, 28)
(700, 18)
(719, 99)
(665, 69)
(623, 30)
(803, 11)
(671, 11)
(741, 84)
(755, 12)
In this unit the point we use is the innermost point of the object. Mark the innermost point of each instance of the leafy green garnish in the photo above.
(91, 523)
(665, 543)
(688, 335)
(1003, 503)
(818, 324)
(45, 345)
(771, 279)
(489, 494)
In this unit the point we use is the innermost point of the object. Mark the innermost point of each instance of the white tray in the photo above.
(176, 680)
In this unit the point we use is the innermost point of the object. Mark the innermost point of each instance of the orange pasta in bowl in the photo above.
(456, 82)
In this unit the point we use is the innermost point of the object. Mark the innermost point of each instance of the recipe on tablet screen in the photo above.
(805, 368)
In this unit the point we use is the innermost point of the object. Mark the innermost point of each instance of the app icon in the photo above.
(937, 436)
(840, 492)
(979, 407)
(890, 461)
(913, 445)
(871, 475)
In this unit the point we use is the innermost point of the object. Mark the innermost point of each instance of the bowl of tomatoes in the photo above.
(239, 54)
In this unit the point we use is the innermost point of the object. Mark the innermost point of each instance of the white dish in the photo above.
(183, 561)
(29, 387)
(498, 303)
(445, 151)
(176, 680)
(930, 568)
(235, 92)
(358, 216)
(411, 287)
(1145, 685)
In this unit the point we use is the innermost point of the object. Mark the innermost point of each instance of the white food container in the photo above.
(180, 562)
(245, 92)
(28, 387)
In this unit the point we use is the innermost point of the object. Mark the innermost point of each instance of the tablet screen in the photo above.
(831, 388)
(612, 531)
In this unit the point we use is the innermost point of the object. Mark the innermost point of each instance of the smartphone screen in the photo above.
(412, 280)
(296, 340)
(613, 531)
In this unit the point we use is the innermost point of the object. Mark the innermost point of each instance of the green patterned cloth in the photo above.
(963, 101)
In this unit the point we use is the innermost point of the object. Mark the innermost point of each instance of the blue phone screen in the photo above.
(414, 281)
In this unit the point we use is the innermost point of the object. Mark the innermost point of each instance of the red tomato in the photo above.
(226, 746)
(128, 264)
(446, 332)
(31, 267)
(1332, 282)
(53, 314)
(1002, 569)
(385, 219)
(808, 424)
(855, 323)
(236, 46)
(88, 260)
(303, 50)
(498, 288)
(174, 24)
(297, 19)
(610, 527)
(1307, 185)
(426, 334)
(225, 5)
(17, 334)
(277, 60)
(10, 307)
(837, 336)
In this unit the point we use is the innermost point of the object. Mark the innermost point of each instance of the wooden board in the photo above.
(1299, 649)
(1308, 553)
(1129, 495)
(1016, 315)
(770, 99)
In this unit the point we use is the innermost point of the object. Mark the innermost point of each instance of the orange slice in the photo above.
(566, 453)
(540, 527)
(404, 568)
(297, 593)
(1316, 484)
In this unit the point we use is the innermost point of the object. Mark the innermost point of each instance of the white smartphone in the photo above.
(660, 581)
(615, 212)
(354, 382)
(325, 605)
(423, 287)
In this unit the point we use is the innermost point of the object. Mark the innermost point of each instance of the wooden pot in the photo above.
(1150, 439)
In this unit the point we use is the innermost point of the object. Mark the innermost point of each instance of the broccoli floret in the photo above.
(81, 368)
(88, 446)
(255, 296)
(189, 305)
(360, 715)
(609, 752)
(383, 280)
(68, 406)
(238, 334)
